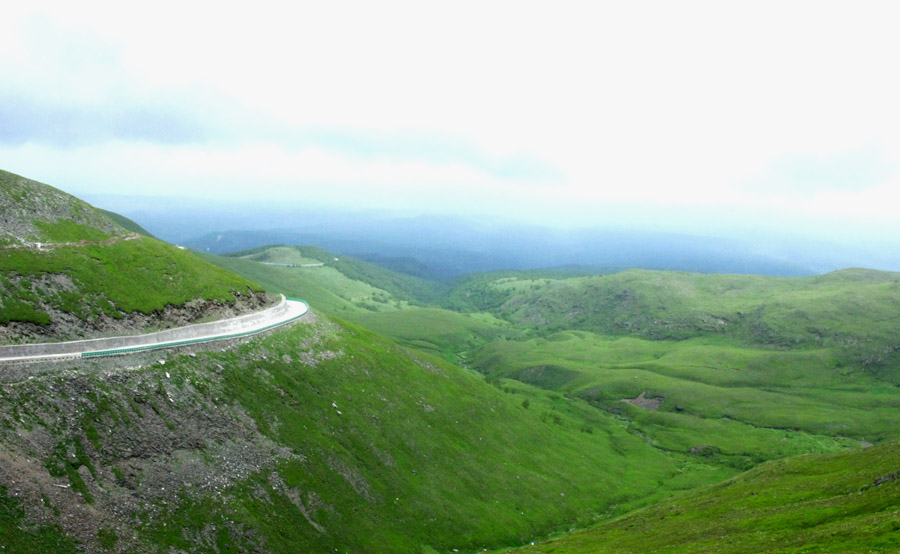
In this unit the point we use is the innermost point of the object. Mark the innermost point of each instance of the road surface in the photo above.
(286, 311)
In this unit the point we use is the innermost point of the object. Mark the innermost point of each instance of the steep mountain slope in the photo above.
(69, 271)
(810, 370)
(317, 437)
(848, 502)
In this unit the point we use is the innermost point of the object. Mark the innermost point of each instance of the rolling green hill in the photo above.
(68, 270)
(840, 308)
(739, 369)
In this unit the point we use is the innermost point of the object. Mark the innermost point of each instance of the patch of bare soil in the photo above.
(641, 401)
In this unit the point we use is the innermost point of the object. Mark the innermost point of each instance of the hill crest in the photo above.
(32, 212)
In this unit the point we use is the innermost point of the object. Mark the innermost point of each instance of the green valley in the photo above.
(726, 370)
(652, 410)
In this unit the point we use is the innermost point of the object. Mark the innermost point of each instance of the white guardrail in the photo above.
(286, 311)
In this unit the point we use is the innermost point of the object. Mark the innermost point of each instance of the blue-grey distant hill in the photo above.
(445, 247)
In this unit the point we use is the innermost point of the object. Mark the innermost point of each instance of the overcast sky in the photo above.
(668, 114)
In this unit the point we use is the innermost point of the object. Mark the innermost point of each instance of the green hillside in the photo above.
(835, 309)
(593, 397)
(848, 502)
(714, 383)
(739, 369)
(317, 437)
(400, 286)
(32, 212)
(68, 270)
(447, 334)
(729, 371)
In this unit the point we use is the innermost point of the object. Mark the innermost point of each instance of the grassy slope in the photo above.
(326, 289)
(104, 275)
(137, 275)
(466, 464)
(746, 404)
(817, 362)
(751, 368)
(848, 502)
(398, 286)
(372, 296)
(126, 223)
(834, 309)
(437, 331)
(385, 451)
(17, 535)
(31, 211)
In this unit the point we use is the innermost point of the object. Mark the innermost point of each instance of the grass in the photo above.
(384, 449)
(142, 275)
(17, 535)
(441, 332)
(325, 287)
(397, 286)
(839, 309)
(287, 255)
(847, 502)
(425, 454)
(754, 404)
(44, 214)
(739, 394)
(392, 450)
(126, 223)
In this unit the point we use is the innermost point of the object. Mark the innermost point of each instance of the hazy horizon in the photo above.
(701, 118)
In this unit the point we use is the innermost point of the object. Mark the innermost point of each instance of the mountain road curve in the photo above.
(286, 311)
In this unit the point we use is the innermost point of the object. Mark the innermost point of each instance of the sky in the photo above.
(685, 115)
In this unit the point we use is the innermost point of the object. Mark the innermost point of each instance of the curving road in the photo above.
(286, 311)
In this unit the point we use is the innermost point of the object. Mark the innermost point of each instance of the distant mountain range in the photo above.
(445, 247)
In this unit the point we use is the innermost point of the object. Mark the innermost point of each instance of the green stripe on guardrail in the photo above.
(176, 344)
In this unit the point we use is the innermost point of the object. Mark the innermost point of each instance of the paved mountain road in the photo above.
(286, 311)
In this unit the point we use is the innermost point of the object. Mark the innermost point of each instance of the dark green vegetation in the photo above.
(67, 270)
(848, 502)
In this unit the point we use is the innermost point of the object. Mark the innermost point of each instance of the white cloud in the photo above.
(656, 104)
